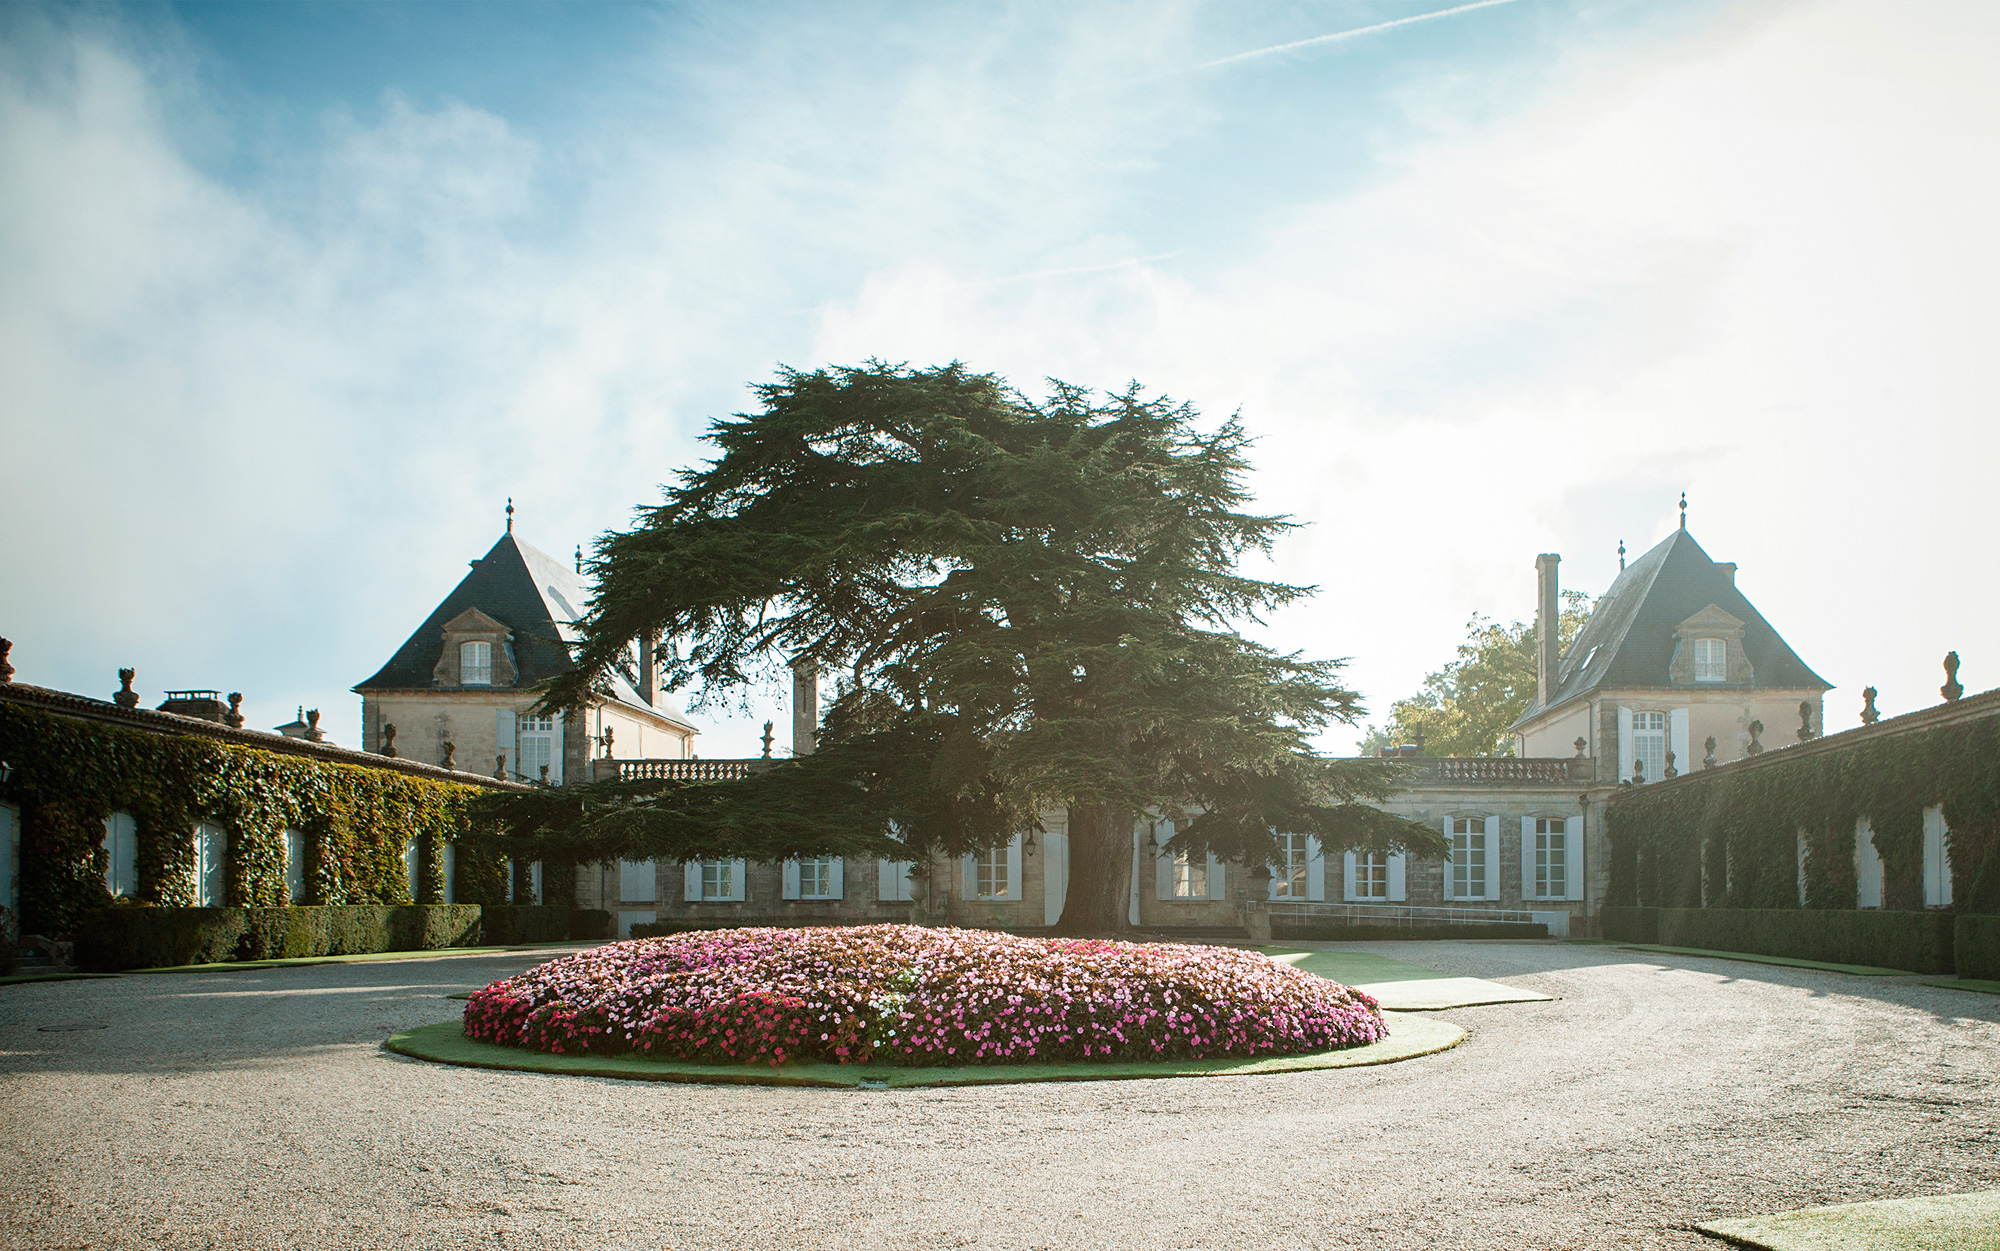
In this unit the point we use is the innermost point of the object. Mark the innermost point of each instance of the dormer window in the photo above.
(1711, 660)
(475, 664)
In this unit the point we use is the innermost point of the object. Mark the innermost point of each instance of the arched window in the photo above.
(475, 664)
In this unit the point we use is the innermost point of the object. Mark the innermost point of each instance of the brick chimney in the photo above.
(649, 667)
(1548, 626)
(805, 706)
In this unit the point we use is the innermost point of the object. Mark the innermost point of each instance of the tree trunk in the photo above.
(1100, 872)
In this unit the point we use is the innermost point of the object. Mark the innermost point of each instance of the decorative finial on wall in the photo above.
(1580, 744)
(1755, 748)
(1638, 773)
(767, 740)
(1708, 761)
(1684, 510)
(313, 733)
(234, 717)
(1868, 714)
(6, 670)
(605, 738)
(389, 739)
(126, 696)
(450, 760)
(579, 558)
(1951, 690)
(500, 767)
(1670, 771)
(1805, 721)
(545, 775)
(1621, 555)
(510, 514)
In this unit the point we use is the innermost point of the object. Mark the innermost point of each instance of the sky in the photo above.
(294, 298)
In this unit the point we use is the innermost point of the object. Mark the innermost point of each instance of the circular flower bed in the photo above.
(908, 995)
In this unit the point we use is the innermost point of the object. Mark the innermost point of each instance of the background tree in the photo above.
(1033, 605)
(1464, 709)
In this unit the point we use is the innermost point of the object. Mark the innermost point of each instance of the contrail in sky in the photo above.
(1337, 36)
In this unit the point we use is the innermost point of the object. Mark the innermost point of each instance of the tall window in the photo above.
(1551, 858)
(1371, 875)
(211, 853)
(1290, 880)
(718, 879)
(1468, 858)
(1711, 660)
(816, 879)
(1649, 743)
(121, 855)
(295, 866)
(413, 869)
(990, 873)
(475, 664)
(537, 750)
(1190, 877)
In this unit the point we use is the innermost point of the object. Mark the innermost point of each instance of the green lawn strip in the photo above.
(1865, 970)
(1400, 986)
(446, 1043)
(1974, 984)
(369, 957)
(15, 979)
(1963, 1222)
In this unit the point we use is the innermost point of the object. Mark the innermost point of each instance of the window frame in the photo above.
(483, 667)
(1368, 867)
(1294, 870)
(1551, 857)
(822, 868)
(1656, 768)
(990, 868)
(1711, 670)
(1475, 828)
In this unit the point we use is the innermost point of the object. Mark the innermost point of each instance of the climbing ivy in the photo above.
(1741, 825)
(69, 774)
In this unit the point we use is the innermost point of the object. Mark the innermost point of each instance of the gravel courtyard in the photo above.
(257, 1108)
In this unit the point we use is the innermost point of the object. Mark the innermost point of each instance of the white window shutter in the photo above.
(1625, 745)
(1867, 866)
(448, 870)
(1216, 881)
(892, 880)
(1163, 875)
(791, 879)
(739, 880)
(1315, 872)
(1677, 740)
(556, 751)
(968, 877)
(505, 727)
(691, 881)
(1528, 890)
(1347, 875)
(1937, 859)
(1493, 857)
(535, 882)
(1447, 860)
(839, 879)
(1573, 857)
(295, 866)
(1398, 878)
(1014, 868)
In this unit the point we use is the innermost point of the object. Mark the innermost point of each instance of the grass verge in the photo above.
(1863, 970)
(446, 1043)
(1964, 1222)
(1976, 985)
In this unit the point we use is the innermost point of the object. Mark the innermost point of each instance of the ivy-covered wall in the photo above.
(69, 774)
(1740, 825)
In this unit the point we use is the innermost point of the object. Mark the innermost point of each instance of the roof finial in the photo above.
(1684, 510)
(579, 558)
(510, 514)
(1621, 555)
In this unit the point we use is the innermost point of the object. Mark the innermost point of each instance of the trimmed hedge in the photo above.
(1921, 942)
(139, 937)
(588, 923)
(1977, 947)
(1407, 933)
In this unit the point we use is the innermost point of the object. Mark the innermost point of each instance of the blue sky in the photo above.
(293, 297)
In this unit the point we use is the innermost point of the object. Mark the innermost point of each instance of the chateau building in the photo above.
(1674, 670)
(461, 691)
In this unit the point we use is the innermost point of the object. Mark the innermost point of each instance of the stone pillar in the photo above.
(805, 706)
(1548, 626)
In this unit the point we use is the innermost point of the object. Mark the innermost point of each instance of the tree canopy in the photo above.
(1464, 709)
(1031, 604)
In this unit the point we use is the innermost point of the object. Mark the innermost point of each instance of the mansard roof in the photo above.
(1629, 640)
(535, 596)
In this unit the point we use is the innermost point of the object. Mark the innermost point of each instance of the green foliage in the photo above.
(139, 938)
(1743, 823)
(1035, 604)
(1976, 947)
(1921, 942)
(69, 774)
(1464, 709)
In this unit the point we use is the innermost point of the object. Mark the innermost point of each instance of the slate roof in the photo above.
(1629, 640)
(536, 596)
